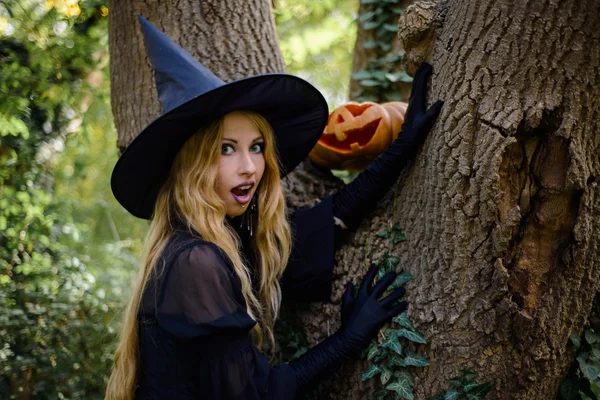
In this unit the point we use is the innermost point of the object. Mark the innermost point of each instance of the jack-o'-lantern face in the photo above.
(356, 133)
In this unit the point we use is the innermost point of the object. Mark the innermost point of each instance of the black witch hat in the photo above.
(192, 96)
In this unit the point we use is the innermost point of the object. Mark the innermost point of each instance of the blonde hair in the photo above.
(189, 196)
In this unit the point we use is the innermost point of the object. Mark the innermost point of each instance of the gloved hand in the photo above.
(359, 197)
(365, 306)
(361, 320)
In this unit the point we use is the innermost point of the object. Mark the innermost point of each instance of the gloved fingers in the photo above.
(348, 297)
(397, 309)
(368, 279)
(392, 297)
(429, 118)
(419, 87)
(434, 110)
(383, 284)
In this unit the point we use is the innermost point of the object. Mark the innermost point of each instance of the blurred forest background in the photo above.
(67, 248)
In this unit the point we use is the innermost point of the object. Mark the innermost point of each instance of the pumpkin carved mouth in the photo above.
(356, 133)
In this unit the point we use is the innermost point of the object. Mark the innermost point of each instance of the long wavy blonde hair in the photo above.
(188, 196)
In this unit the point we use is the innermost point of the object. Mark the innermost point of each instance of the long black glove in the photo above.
(359, 197)
(361, 320)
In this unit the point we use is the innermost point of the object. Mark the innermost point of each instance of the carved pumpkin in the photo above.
(356, 133)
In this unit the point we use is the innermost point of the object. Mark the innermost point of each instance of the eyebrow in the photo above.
(235, 141)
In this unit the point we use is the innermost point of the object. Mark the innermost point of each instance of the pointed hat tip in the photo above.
(144, 22)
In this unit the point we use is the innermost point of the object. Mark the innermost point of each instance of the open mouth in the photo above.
(242, 193)
(238, 191)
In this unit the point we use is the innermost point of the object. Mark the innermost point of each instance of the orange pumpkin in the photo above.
(356, 133)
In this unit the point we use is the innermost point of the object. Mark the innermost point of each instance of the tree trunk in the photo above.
(502, 206)
(234, 39)
(501, 203)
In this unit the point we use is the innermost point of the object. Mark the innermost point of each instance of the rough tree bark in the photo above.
(502, 206)
(501, 203)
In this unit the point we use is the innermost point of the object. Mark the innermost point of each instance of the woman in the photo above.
(219, 242)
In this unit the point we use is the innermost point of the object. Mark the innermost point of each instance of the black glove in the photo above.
(361, 320)
(359, 197)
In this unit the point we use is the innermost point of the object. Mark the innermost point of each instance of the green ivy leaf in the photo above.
(397, 227)
(370, 25)
(398, 10)
(394, 77)
(396, 361)
(390, 27)
(373, 351)
(478, 391)
(590, 336)
(398, 237)
(391, 263)
(456, 382)
(451, 394)
(299, 352)
(366, 16)
(380, 76)
(412, 336)
(368, 1)
(383, 354)
(569, 389)
(386, 374)
(392, 343)
(362, 74)
(385, 46)
(588, 370)
(379, 394)
(403, 386)
(369, 44)
(373, 370)
(415, 360)
(470, 386)
(468, 374)
(575, 339)
(403, 320)
(384, 234)
(369, 83)
(401, 279)
(391, 58)
(595, 356)
(381, 273)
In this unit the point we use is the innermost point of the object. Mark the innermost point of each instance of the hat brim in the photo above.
(296, 111)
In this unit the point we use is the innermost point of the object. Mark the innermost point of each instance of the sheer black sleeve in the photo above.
(309, 273)
(198, 297)
(201, 305)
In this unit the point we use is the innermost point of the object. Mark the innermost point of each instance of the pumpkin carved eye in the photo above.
(356, 133)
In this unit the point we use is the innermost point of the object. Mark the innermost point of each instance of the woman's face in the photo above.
(242, 163)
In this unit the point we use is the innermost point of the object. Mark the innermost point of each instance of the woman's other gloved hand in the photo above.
(359, 197)
(362, 318)
(363, 315)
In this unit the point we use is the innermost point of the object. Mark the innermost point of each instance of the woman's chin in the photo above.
(235, 210)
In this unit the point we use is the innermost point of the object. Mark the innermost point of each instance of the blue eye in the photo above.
(260, 146)
(224, 148)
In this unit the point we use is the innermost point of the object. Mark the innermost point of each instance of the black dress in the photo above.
(193, 326)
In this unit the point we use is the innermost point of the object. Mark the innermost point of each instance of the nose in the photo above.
(247, 166)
